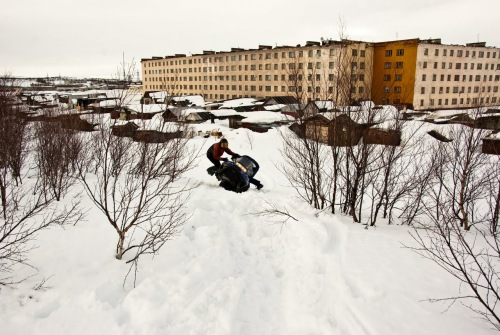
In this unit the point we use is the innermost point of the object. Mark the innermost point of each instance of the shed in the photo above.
(488, 122)
(168, 115)
(318, 106)
(198, 117)
(344, 132)
(154, 136)
(235, 121)
(382, 136)
(491, 144)
(281, 100)
(340, 131)
(124, 130)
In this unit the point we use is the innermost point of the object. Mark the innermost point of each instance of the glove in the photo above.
(235, 156)
(224, 159)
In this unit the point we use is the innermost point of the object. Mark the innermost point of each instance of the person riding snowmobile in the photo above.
(215, 152)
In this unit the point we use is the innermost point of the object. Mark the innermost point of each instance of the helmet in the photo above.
(223, 143)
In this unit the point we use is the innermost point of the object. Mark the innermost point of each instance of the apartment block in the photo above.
(426, 74)
(419, 74)
(310, 72)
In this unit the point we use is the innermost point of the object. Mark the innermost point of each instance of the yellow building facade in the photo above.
(394, 66)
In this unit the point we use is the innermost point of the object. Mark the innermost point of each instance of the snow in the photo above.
(146, 109)
(473, 113)
(238, 102)
(233, 271)
(195, 100)
(265, 117)
(225, 112)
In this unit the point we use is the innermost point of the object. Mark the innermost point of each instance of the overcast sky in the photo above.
(89, 38)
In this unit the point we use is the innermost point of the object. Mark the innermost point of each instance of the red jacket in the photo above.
(218, 151)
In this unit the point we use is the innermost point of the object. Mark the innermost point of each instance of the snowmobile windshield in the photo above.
(245, 165)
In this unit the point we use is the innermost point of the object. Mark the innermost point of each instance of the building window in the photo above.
(354, 52)
(386, 89)
(400, 52)
(422, 90)
(398, 77)
(387, 77)
(388, 53)
(387, 65)
(397, 89)
(399, 65)
(436, 52)
(426, 52)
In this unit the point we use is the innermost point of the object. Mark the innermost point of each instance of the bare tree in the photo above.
(138, 187)
(26, 206)
(305, 165)
(57, 152)
(469, 256)
(399, 169)
(457, 226)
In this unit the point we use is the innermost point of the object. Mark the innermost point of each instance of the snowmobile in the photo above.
(234, 174)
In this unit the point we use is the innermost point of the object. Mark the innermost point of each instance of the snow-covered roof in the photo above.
(158, 95)
(266, 117)
(237, 102)
(151, 108)
(196, 100)
(473, 113)
(184, 112)
(226, 112)
(325, 104)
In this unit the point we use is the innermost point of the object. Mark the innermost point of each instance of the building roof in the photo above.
(281, 100)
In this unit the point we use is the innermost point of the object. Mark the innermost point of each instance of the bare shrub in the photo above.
(57, 152)
(138, 187)
(27, 208)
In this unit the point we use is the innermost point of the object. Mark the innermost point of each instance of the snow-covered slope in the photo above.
(233, 270)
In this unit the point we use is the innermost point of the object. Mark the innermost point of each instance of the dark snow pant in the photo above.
(210, 156)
